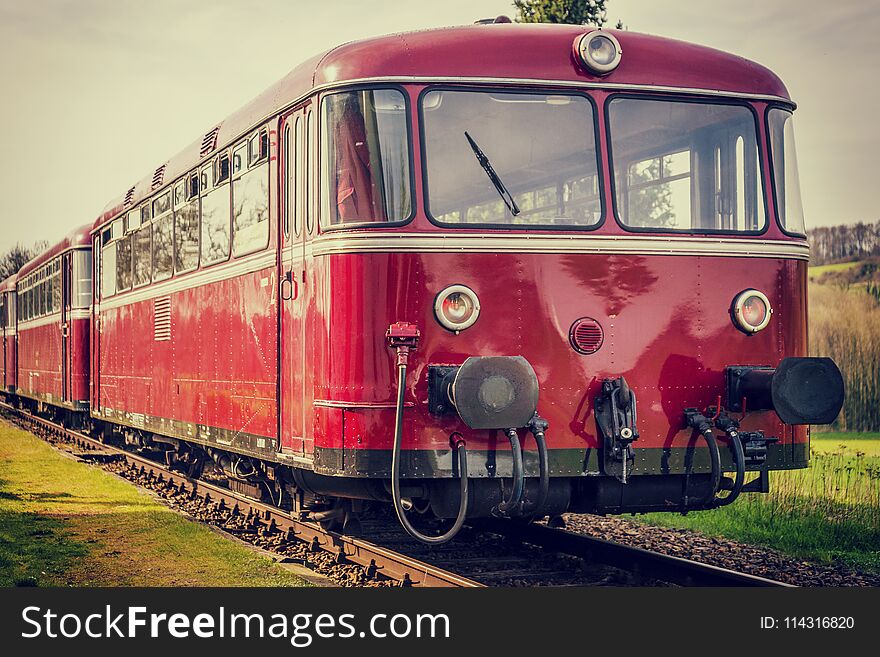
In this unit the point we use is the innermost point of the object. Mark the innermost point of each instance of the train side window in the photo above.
(108, 267)
(163, 238)
(162, 204)
(192, 189)
(309, 174)
(3, 311)
(221, 169)
(56, 292)
(141, 253)
(250, 211)
(145, 214)
(123, 263)
(288, 188)
(81, 285)
(163, 233)
(186, 232)
(299, 173)
(259, 146)
(132, 221)
(206, 180)
(41, 299)
(215, 223)
(179, 194)
(239, 159)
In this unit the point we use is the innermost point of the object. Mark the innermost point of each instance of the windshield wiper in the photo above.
(506, 196)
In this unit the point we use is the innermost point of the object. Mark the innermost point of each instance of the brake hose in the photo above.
(739, 458)
(715, 458)
(704, 428)
(395, 472)
(538, 426)
(516, 491)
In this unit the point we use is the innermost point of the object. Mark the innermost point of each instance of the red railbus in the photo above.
(490, 270)
(53, 294)
(8, 326)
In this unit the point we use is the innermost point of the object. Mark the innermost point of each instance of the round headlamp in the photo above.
(599, 51)
(457, 307)
(751, 311)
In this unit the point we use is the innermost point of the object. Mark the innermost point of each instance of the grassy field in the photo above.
(845, 325)
(63, 523)
(815, 272)
(828, 512)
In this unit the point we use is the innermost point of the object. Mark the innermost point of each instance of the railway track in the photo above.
(489, 553)
(251, 516)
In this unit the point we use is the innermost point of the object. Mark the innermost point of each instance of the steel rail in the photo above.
(407, 570)
(646, 563)
(396, 566)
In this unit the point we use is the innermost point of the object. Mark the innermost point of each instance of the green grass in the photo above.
(63, 523)
(829, 512)
(837, 267)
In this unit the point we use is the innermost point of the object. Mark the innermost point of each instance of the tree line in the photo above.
(846, 242)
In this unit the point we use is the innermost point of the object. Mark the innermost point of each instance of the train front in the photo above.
(593, 296)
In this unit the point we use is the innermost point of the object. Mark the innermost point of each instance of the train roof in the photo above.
(9, 283)
(79, 237)
(494, 51)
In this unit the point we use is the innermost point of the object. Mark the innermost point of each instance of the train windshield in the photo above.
(502, 158)
(785, 172)
(686, 166)
(365, 155)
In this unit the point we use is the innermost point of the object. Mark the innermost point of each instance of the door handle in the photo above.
(289, 287)
(65, 330)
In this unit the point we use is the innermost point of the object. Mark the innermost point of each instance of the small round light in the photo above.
(457, 307)
(751, 311)
(599, 51)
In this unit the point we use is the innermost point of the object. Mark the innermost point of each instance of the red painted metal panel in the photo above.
(217, 369)
(39, 359)
(666, 321)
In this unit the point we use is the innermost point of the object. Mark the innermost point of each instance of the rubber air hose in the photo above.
(512, 502)
(395, 475)
(739, 458)
(544, 473)
(715, 458)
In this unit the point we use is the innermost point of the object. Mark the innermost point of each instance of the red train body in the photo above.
(244, 291)
(8, 308)
(54, 298)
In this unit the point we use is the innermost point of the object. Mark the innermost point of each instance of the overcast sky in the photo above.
(97, 93)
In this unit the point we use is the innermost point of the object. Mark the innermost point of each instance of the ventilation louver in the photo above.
(162, 319)
(158, 177)
(209, 143)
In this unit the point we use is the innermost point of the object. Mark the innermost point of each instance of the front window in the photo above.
(505, 158)
(365, 156)
(785, 172)
(686, 166)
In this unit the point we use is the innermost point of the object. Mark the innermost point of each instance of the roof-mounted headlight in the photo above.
(599, 51)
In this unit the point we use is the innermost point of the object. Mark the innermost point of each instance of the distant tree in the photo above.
(845, 242)
(572, 12)
(17, 256)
